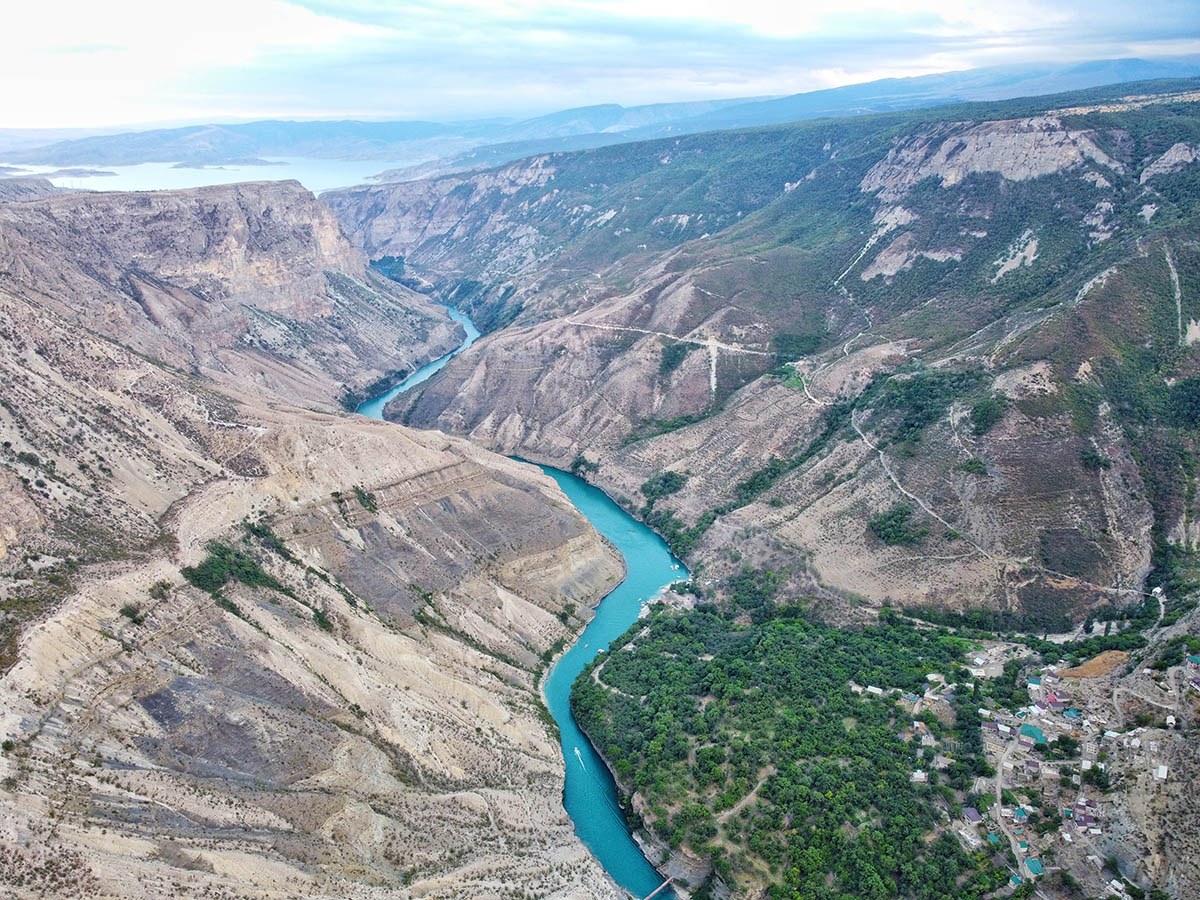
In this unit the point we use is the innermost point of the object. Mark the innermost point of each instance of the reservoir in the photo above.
(589, 795)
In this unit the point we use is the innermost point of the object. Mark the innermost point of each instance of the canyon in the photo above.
(913, 368)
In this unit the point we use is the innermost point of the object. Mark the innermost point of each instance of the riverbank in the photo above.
(590, 794)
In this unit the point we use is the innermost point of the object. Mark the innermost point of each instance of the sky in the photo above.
(122, 62)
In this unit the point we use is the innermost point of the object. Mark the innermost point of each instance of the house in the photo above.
(1034, 866)
(1031, 736)
(1170, 721)
(1160, 774)
(874, 691)
(993, 838)
(971, 814)
(919, 777)
(1193, 662)
(1020, 815)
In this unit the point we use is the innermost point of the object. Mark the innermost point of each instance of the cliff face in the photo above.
(249, 284)
(650, 294)
(347, 703)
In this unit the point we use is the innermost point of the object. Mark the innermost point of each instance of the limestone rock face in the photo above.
(1017, 150)
(249, 283)
(358, 715)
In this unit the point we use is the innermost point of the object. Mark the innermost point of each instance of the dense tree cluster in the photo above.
(751, 749)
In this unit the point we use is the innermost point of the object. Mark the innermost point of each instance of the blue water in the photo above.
(315, 174)
(589, 795)
(373, 408)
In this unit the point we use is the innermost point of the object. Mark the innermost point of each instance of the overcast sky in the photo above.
(96, 63)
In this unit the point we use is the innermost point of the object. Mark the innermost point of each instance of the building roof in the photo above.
(1034, 866)
(1034, 732)
(972, 814)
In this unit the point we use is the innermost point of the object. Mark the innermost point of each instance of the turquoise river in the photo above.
(590, 796)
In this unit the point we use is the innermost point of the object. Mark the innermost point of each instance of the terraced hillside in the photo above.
(936, 359)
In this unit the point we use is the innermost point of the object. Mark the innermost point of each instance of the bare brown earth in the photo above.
(369, 728)
(1098, 665)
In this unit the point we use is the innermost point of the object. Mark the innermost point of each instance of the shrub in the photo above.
(673, 356)
(133, 613)
(790, 346)
(986, 413)
(973, 466)
(1093, 461)
(662, 485)
(224, 563)
(896, 527)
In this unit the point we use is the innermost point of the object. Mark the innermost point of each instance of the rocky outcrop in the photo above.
(357, 712)
(1017, 150)
(249, 284)
(1178, 156)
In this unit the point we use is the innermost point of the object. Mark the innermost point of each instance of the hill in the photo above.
(961, 325)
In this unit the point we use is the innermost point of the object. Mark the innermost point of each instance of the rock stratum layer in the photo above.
(252, 285)
(818, 324)
(340, 697)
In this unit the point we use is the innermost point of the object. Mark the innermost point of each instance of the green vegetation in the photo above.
(1093, 461)
(133, 613)
(223, 564)
(974, 466)
(673, 355)
(895, 526)
(365, 499)
(986, 413)
(760, 717)
(680, 537)
(581, 466)
(922, 398)
(269, 539)
(661, 485)
(322, 620)
(791, 346)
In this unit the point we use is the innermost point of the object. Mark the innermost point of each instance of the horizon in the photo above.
(86, 68)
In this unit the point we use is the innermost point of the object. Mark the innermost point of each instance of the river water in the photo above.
(373, 408)
(589, 794)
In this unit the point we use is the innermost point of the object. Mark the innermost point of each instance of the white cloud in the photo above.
(101, 63)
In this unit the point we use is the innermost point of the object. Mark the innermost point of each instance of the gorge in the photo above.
(898, 415)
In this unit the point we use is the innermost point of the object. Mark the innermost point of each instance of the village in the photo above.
(1056, 750)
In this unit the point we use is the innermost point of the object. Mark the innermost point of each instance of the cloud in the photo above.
(97, 64)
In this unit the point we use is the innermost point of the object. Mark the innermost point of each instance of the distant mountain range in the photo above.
(426, 148)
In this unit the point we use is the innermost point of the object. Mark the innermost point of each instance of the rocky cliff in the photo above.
(823, 324)
(249, 284)
(252, 649)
